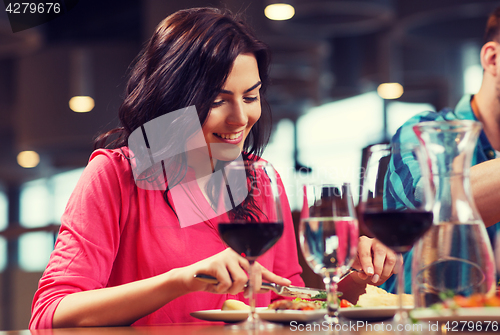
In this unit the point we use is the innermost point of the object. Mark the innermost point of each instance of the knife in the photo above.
(285, 291)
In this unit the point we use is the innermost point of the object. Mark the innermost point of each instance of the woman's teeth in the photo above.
(229, 136)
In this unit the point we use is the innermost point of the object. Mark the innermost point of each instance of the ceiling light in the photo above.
(81, 81)
(81, 104)
(390, 90)
(279, 11)
(28, 159)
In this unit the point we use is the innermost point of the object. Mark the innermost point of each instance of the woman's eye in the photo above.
(217, 103)
(251, 99)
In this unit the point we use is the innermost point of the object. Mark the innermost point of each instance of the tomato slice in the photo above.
(493, 301)
(345, 303)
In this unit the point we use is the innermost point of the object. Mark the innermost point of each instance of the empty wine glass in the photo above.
(329, 234)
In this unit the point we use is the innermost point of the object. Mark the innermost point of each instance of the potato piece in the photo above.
(375, 297)
(231, 305)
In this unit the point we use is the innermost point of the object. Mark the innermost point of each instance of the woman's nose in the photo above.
(237, 115)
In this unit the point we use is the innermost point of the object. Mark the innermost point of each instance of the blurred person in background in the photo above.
(484, 106)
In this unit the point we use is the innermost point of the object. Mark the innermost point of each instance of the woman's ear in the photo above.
(489, 57)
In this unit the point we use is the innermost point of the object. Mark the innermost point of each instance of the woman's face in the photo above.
(234, 111)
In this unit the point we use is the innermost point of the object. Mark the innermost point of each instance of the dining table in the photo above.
(347, 327)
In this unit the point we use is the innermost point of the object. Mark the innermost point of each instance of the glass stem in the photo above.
(251, 293)
(331, 284)
(401, 316)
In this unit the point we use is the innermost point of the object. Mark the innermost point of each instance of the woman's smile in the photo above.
(233, 138)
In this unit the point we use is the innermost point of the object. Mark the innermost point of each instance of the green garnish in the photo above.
(445, 295)
(319, 296)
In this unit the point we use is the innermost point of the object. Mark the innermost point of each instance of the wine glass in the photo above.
(329, 234)
(250, 217)
(397, 223)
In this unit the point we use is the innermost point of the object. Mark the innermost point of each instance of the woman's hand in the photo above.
(127, 303)
(376, 260)
(230, 269)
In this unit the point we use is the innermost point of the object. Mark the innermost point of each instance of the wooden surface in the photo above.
(215, 329)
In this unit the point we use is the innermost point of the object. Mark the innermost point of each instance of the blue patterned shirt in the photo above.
(404, 180)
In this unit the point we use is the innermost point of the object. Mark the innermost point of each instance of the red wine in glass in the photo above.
(397, 225)
(250, 217)
(250, 240)
(398, 230)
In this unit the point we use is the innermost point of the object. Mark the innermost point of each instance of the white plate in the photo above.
(281, 316)
(370, 313)
(219, 315)
(474, 314)
(285, 316)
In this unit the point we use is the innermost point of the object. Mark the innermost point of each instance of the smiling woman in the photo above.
(122, 256)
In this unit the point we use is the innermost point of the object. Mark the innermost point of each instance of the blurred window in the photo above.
(42, 202)
(331, 138)
(471, 67)
(4, 209)
(35, 203)
(399, 112)
(34, 250)
(473, 76)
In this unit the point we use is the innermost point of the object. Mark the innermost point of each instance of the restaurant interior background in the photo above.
(328, 62)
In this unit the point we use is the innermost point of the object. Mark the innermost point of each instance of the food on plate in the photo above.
(320, 296)
(297, 304)
(451, 301)
(373, 297)
(376, 297)
(234, 305)
(344, 303)
(304, 305)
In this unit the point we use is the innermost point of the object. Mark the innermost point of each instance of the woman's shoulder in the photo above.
(108, 162)
(107, 174)
(118, 153)
(119, 156)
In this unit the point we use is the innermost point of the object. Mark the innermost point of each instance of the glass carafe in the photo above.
(455, 256)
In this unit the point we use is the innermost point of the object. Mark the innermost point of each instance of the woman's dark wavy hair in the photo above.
(185, 63)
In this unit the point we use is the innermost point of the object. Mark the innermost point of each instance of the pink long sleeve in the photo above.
(114, 233)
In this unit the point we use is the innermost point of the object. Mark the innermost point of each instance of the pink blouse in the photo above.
(113, 232)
